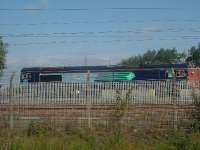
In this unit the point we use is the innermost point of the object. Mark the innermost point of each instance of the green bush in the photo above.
(38, 128)
(180, 140)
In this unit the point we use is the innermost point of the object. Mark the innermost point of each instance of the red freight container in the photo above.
(193, 74)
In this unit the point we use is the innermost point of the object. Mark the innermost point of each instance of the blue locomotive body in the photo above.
(102, 73)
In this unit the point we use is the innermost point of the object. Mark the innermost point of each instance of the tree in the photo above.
(3, 52)
(154, 57)
(133, 60)
(194, 57)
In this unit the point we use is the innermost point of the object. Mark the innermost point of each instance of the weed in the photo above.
(38, 128)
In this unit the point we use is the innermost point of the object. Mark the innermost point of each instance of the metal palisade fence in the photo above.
(165, 101)
(141, 92)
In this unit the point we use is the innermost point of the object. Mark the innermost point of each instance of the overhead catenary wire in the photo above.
(86, 9)
(43, 9)
(96, 34)
(96, 22)
(99, 41)
(82, 33)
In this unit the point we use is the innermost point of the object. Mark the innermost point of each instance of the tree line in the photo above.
(165, 56)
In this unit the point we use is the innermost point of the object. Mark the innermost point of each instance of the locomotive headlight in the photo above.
(24, 76)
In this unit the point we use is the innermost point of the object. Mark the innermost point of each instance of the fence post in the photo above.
(11, 114)
(88, 98)
(174, 98)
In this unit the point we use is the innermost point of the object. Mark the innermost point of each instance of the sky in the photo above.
(94, 32)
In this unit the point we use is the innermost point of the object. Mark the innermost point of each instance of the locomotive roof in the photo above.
(76, 68)
(100, 68)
